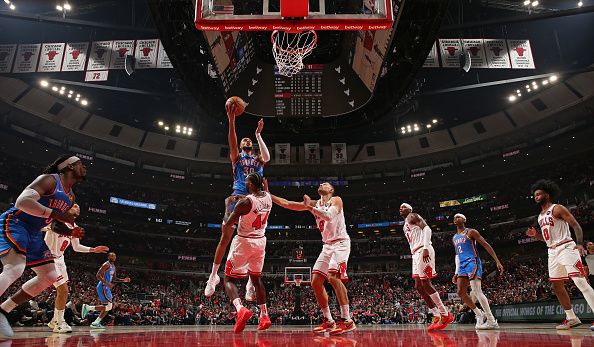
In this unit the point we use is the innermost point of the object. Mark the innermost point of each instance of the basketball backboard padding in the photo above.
(294, 8)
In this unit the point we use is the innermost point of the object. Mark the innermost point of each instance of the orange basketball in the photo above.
(236, 103)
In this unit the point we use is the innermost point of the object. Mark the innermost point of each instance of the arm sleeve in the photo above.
(325, 215)
(457, 264)
(78, 247)
(263, 149)
(426, 237)
(28, 202)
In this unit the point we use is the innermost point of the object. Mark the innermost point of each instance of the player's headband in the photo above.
(407, 206)
(67, 162)
(460, 215)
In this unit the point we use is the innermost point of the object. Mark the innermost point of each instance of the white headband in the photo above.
(460, 215)
(404, 204)
(67, 162)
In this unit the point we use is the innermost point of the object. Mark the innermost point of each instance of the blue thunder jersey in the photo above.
(245, 165)
(470, 261)
(109, 273)
(58, 200)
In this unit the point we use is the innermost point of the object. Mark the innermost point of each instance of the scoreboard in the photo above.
(300, 95)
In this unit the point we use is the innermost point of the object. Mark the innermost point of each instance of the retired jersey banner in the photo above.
(51, 56)
(312, 153)
(26, 58)
(6, 57)
(146, 54)
(497, 56)
(450, 50)
(339, 153)
(163, 61)
(282, 153)
(75, 57)
(520, 54)
(100, 55)
(432, 60)
(118, 53)
(476, 49)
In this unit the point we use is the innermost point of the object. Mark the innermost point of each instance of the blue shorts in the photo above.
(104, 293)
(470, 268)
(18, 236)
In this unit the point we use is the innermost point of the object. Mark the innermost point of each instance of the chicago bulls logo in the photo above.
(451, 50)
(122, 51)
(496, 50)
(51, 54)
(75, 54)
(3, 55)
(27, 55)
(146, 51)
(473, 51)
(100, 52)
(520, 51)
(339, 149)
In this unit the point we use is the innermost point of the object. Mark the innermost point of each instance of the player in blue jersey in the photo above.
(49, 197)
(469, 270)
(106, 277)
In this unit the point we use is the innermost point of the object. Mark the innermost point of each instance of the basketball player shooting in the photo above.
(418, 234)
(564, 253)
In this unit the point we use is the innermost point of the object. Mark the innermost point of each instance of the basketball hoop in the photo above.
(290, 48)
(298, 282)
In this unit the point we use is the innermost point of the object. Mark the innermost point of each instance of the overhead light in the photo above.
(434, 121)
(55, 89)
(415, 125)
(519, 94)
(533, 83)
(190, 129)
(527, 86)
(512, 98)
(553, 78)
(44, 83)
(527, 2)
(61, 92)
(545, 82)
(59, 8)
(177, 130)
(70, 92)
(160, 123)
(408, 127)
(403, 132)
(580, 4)
(403, 128)
(62, 88)
(7, 1)
(166, 128)
(69, 95)
(529, 90)
(535, 86)
(12, 7)
(409, 130)
(67, 6)
(428, 126)
(78, 95)
(84, 102)
(77, 99)
(518, 91)
(534, 3)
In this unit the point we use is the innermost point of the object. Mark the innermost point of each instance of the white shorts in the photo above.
(334, 258)
(246, 256)
(565, 262)
(61, 270)
(423, 270)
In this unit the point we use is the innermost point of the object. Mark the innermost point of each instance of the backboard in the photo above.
(266, 15)
(297, 275)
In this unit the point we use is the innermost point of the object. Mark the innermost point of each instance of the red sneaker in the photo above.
(344, 326)
(445, 321)
(242, 317)
(265, 323)
(434, 324)
(326, 325)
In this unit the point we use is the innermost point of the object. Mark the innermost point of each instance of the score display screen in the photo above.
(300, 95)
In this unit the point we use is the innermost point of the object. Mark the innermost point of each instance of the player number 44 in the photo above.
(257, 224)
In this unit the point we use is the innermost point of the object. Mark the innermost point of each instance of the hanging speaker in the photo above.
(129, 64)
(465, 61)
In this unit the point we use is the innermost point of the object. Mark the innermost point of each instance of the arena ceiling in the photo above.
(404, 95)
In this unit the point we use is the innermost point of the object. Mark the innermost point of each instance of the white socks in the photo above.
(59, 316)
(344, 312)
(98, 320)
(91, 308)
(215, 269)
(570, 314)
(8, 305)
(482, 299)
(437, 300)
(434, 311)
(477, 312)
(327, 314)
(263, 310)
(237, 304)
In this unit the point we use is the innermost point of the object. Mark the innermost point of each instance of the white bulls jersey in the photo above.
(333, 230)
(414, 235)
(57, 243)
(254, 223)
(554, 230)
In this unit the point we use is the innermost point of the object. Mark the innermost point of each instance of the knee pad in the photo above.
(581, 283)
(108, 307)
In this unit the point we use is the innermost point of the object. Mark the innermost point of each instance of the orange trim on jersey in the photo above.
(6, 251)
(7, 232)
(40, 262)
(105, 294)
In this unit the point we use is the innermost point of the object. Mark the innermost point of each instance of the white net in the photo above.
(289, 50)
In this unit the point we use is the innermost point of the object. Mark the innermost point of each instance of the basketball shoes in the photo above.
(327, 325)
(434, 323)
(569, 323)
(444, 321)
(264, 323)
(343, 326)
(489, 325)
(211, 284)
(243, 316)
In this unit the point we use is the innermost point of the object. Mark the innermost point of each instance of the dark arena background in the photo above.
(420, 125)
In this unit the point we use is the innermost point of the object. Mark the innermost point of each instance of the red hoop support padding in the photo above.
(294, 8)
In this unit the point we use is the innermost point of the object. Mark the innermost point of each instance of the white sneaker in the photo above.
(5, 328)
(489, 325)
(480, 320)
(62, 328)
(250, 291)
(568, 324)
(51, 324)
(211, 285)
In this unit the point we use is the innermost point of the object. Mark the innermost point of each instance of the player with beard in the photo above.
(49, 197)
(564, 253)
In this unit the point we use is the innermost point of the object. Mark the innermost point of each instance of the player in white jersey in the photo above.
(58, 244)
(331, 264)
(418, 234)
(564, 254)
(247, 251)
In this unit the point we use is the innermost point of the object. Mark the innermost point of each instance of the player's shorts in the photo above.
(104, 293)
(565, 262)
(16, 235)
(334, 258)
(246, 256)
(471, 268)
(423, 270)
(61, 270)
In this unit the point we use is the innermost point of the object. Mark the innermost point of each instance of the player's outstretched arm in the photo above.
(561, 212)
(264, 153)
(86, 249)
(333, 211)
(290, 205)
(475, 235)
(243, 207)
(232, 137)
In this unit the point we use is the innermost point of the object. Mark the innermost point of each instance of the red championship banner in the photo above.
(497, 56)
(476, 49)
(50, 59)
(163, 61)
(450, 50)
(6, 57)
(75, 56)
(100, 55)
(520, 54)
(118, 53)
(146, 54)
(432, 60)
(26, 58)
